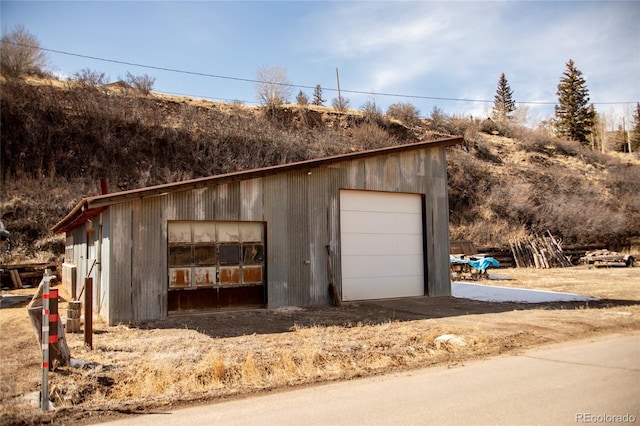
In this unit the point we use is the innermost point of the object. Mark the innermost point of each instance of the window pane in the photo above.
(179, 232)
(229, 276)
(228, 232)
(204, 255)
(253, 253)
(251, 232)
(252, 274)
(205, 276)
(229, 254)
(179, 277)
(180, 255)
(204, 232)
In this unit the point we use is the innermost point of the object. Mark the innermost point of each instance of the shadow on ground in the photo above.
(282, 320)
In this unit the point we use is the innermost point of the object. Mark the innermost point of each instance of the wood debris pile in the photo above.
(605, 257)
(541, 252)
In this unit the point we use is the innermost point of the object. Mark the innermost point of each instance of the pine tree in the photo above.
(302, 98)
(503, 105)
(317, 96)
(573, 116)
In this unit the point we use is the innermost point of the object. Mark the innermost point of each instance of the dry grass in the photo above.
(179, 360)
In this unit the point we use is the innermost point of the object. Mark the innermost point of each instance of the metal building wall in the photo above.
(301, 210)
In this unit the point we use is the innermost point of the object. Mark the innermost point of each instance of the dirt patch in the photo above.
(187, 359)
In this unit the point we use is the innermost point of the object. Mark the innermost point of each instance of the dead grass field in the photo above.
(187, 359)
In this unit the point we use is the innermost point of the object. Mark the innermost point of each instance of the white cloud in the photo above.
(459, 49)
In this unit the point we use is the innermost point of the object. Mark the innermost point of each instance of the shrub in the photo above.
(406, 113)
(142, 83)
(90, 78)
(371, 111)
(340, 103)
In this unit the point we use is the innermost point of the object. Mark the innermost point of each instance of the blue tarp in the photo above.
(479, 263)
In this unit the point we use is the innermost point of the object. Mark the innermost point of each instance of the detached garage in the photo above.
(261, 238)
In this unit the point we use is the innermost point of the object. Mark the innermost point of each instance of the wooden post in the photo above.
(53, 326)
(73, 316)
(88, 312)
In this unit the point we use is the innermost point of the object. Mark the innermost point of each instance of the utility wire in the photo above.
(249, 80)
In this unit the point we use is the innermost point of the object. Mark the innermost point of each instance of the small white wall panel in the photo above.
(381, 245)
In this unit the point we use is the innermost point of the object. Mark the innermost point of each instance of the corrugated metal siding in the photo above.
(299, 240)
(252, 200)
(439, 274)
(276, 205)
(121, 264)
(149, 259)
(319, 233)
(301, 210)
(102, 287)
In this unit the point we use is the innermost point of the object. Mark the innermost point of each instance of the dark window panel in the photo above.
(180, 255)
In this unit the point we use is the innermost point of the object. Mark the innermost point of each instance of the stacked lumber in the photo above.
(605, 257)
(541, 252)
(21, 275)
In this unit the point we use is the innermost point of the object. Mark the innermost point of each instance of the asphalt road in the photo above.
(579, 382)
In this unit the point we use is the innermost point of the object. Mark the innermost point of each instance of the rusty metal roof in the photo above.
(92, 206)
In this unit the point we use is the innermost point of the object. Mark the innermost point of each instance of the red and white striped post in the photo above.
(44, 396)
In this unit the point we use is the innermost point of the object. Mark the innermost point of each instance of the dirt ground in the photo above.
(190, 359)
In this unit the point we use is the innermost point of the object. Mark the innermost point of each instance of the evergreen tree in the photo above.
(317, 96)
(503, 105)
(573, 116)
(635, 132)
(302, 98)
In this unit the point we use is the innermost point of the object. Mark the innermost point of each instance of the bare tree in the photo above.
(21, 53)
(340, 103)
(272, 86)
(371, 111)
(90, 78)
(143, 83)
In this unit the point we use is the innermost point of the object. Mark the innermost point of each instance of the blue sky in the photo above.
(422, 49)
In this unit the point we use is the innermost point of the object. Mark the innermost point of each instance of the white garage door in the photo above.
(382, 245)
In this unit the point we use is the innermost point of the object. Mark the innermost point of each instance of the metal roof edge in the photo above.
(157, 190)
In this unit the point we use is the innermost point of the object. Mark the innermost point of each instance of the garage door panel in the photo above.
(382, 266)
(382, 287)
(409, 224)
(382, 245)
(409, 244)
(395, 202)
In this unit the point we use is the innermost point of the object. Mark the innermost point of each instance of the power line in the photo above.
(249, 80)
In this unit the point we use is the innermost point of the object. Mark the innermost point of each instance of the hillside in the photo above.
(59, 139)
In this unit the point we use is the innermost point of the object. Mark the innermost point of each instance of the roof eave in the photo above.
(75, 217)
